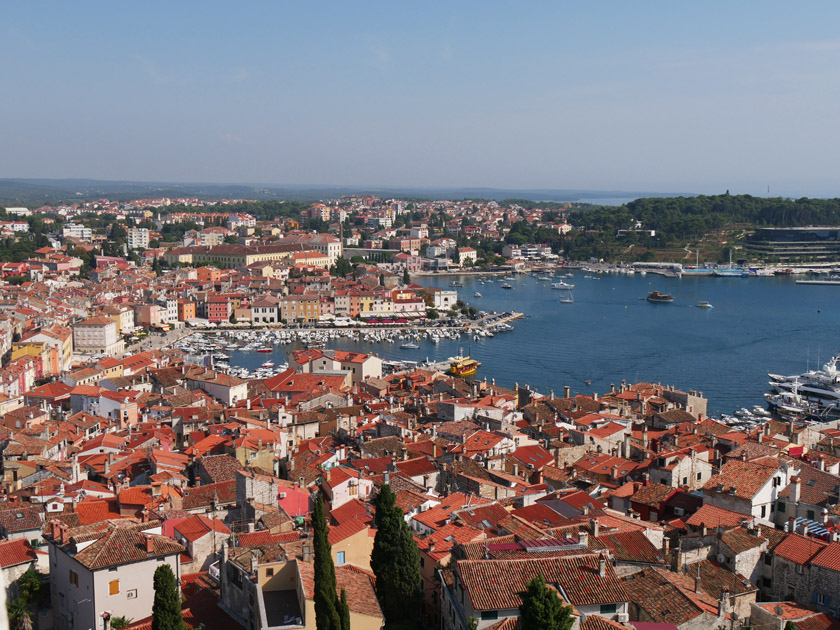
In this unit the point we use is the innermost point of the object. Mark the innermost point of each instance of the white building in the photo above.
(97, 335)
(107, 571)
(138, 238)
(19, 211)
(77, 231)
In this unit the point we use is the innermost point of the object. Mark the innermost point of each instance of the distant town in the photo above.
(130, 440)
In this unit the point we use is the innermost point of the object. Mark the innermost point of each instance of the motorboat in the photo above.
(562, 285)
(704, 304)
(660, 298)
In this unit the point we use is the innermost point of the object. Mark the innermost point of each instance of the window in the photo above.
(609, 609)
(74, 578)
(114, 587)
(269, 572)
(489, 614)
(340, 557)
(822, 599)
(768, 559)
(685, 481)
(777, 481)
(810, 515)
(799, 569)
(781, 507)
(766, 582)
(763, 511)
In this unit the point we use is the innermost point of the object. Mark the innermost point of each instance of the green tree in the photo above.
(542, 608)
(117, 623)
(396, 563)
(344, 611)
(327, 616)
(19, 609)
(166, 609)
(406, 277)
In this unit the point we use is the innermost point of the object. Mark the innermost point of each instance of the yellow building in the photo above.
(300, 308)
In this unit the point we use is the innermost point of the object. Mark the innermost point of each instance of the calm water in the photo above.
(611, 333)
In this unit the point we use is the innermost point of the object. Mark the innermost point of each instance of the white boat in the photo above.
(477, 294)
(507, 286)
(409, 346)
(268, 364)
(562, 285)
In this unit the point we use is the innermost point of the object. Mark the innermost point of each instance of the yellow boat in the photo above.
(464, 366)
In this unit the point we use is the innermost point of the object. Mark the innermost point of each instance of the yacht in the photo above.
(562, 285)
(818, 388)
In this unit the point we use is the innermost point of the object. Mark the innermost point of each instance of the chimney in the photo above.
(64, 534)
(150, 544)
(794, 490)
(602, 566)
(666, 546)
(697, 588)
(55, 528)
(703, 530)
(431, 547)
(583, 538)
(307, 552)
(724, 603)
(567, 392)
(596, 527)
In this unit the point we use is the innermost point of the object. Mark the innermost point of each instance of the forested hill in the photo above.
(690, 217)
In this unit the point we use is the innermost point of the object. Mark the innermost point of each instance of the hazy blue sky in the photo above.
(665, 96)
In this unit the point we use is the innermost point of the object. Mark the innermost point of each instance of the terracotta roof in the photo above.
(361, 596)
(496, 584)
(742, 479)
(14, 552)
(712, 516)
(118, 544)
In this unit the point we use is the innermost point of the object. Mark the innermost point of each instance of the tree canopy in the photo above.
(396, 563)
(542, 608)
(166, 609)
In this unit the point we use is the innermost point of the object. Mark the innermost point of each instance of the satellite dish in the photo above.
(721, 558)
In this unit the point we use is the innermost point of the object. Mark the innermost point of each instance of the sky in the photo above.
(640, 96)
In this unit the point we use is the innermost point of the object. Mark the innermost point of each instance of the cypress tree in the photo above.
(344, 611)
(326, 605)
(166, 610)
(542, 608)
(396, 563)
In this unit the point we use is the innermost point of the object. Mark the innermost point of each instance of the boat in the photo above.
(818, 391)
(477, 294)
(456, 283)
(268, 364)
(263, 349)
(567, 300)
(507, 286)
(409, 345)
(704, 304)
(659, 298)
(463, 366)
(562, 285)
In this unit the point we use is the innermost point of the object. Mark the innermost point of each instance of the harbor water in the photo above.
(610, 333)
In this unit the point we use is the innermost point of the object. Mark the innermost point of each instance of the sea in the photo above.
(610, 334)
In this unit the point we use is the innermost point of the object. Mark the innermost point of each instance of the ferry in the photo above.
(463, 366)
(660, 298)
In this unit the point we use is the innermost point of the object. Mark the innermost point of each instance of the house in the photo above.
(749, 488)
(262, 587)
(106, 567)
(488, 590)
(16, 558)
(202, 537)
